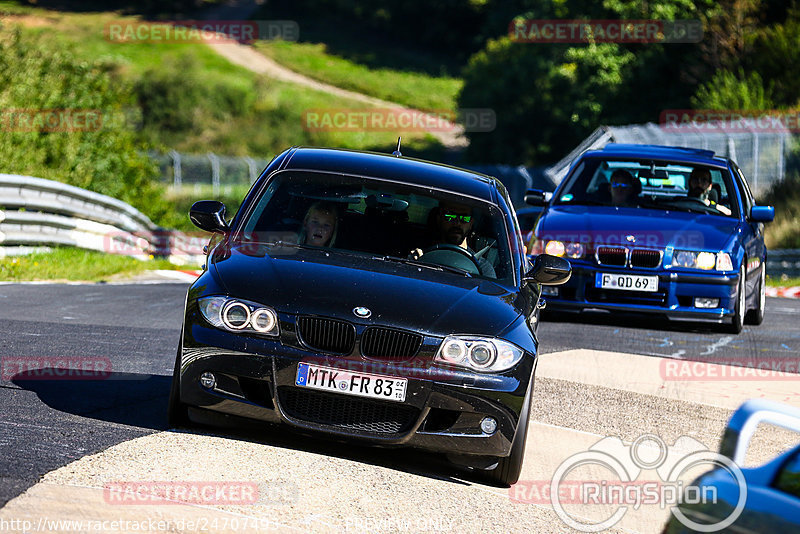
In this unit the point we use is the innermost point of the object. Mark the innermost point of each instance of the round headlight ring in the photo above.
(454, 351)
(482, 355)
(685, 258)
(257, 316)
(235, 307)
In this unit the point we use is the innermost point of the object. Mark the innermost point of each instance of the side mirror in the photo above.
(209, 215)
(745, 421)
(549, 270)
(537, 197)
(762, 213)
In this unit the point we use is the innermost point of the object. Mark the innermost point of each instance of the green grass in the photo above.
(412, 89)
(782, 282)
(273, 121)
(68, 263)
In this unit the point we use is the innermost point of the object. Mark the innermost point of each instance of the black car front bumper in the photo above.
(443, 410)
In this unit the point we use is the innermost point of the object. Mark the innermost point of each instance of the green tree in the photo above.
(736, 91)
(91, 144)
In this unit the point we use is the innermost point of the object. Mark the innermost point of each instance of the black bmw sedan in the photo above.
(371, 297)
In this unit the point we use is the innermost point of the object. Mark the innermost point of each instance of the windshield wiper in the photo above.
(416, 263)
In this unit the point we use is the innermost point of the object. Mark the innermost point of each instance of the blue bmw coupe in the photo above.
(654, 229)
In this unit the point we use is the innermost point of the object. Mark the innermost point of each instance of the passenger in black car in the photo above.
(320, 225)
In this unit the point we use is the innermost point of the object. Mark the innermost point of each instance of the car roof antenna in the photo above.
(397, 150)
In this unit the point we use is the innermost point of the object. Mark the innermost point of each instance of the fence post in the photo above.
(756, 163)
(251, 167)
(214, 172)
(176, 168)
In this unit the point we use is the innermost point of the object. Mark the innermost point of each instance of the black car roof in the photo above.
(386, 166)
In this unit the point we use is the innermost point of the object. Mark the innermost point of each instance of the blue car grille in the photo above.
(326, 335)
(616, 256)
(645, 258)
(640, 258)
(389, 344)
(332, 409)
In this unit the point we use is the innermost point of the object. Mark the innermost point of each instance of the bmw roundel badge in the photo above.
(362, 312)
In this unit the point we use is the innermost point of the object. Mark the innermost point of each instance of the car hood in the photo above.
(333, 284)
(649, 228)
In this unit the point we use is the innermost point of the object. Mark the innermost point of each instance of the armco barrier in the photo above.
(783, 262)
(36, 212)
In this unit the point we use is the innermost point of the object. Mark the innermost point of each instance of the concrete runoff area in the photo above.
(581, 397)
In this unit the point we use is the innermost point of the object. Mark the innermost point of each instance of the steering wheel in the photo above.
(451, 256)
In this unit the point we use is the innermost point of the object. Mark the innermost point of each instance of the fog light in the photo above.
(550, 291)
(208, 380)
(704, 302)
(488, 425)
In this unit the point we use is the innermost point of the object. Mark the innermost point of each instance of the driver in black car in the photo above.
(453, 225)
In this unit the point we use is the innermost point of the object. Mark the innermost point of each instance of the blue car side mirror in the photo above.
(762, 213)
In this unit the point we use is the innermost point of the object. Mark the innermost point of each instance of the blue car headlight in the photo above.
(237, 315)
(484, 354)
(690, 259)
(562, 249)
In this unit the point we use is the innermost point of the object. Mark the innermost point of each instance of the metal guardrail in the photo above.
(36, 212)
(783, 262)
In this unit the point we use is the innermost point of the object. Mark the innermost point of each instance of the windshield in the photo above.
(383, 220)
(650, 184)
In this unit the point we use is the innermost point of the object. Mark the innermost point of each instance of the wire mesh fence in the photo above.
(201, 170)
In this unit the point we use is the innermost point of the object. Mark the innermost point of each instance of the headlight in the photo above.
(479, 353)
(555, 248)
(721, 261)
(239, 315)
(560, 249)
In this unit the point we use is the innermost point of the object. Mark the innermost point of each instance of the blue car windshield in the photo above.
(383, 220)
(648, 184)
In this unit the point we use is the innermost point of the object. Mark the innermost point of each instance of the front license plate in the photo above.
(349, 383)
(626, 282)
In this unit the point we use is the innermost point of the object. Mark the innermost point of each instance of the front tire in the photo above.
(756, 316)
(177, 412)
(740, 308)
(509, 467)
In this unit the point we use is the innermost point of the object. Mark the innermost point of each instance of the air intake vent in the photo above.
(388, 344)
(612, 256)
(326, 335)
(644, 258)
(364, 415)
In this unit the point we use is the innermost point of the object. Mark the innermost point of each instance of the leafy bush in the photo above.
(103, 155)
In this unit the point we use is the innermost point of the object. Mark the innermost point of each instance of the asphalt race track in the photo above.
(47, 424)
